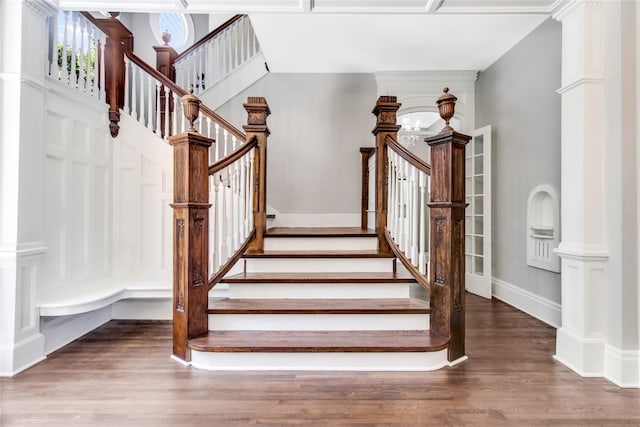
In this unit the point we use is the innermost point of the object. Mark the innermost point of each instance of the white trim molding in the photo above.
(543, 309)
(622, 367)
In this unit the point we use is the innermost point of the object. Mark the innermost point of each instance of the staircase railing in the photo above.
(217, 55)
(76, 53)
(417, 231)
(219, 171)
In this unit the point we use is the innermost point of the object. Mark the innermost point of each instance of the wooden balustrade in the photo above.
(217, 214)
(404, 182)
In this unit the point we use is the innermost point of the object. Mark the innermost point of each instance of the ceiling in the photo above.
(366, 36)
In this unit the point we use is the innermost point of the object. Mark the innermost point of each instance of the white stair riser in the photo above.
(409, 361)
(320, 243)
(319, 265)
(318, 322)
(319, 290)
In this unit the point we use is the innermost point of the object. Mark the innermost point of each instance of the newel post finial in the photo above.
(447, 108)
(191, 108)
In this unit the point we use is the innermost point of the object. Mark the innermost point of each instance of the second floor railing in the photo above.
(217, 55)
(76, 53)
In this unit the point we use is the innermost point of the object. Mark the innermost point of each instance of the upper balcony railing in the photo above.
(76, 53)
(217, 55)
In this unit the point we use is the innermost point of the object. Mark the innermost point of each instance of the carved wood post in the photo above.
(190, 236)
(165, 55)
(447, 207)
(257, 113)
(366, 153)
(119, 41)
(385, 112)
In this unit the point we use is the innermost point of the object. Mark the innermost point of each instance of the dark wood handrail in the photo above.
(413, 160)
(222, 271)
(181, 92)
(233, 157)
(208, 37)
(420, 278)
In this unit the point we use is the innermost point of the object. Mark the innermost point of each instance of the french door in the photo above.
(478, 213)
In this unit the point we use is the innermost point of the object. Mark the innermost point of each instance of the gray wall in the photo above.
(517, 97)
(318, 123)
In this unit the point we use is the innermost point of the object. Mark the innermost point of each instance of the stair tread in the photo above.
(319, 341)
(319, 232)
(319, 306)
(319, 254)
(346, 277)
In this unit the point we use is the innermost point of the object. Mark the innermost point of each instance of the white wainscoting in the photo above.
(541, 308)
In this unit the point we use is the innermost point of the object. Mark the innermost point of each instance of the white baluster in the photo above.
(102, 87)
(134, 91)
(73, 81)
(219, 142)
(209, 136)
(421, 257)
(65, 61)
(53, 61)
(226, 142)
(414, 215)
(251, 189)
(217, 220)
(150, 103)
(84, 50)
(143, 77)
(396, 200)
(158, 126)
(94, 68)
(167, 113)
(127, 84)
(175, 113)
(389, 191)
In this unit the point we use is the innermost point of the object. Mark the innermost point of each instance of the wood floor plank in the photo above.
(347, 277)
(319, 306)
(319, 341)
(121, 375)
(319, 232)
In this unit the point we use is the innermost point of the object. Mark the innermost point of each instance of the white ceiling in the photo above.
(304, 43)
(368, 35)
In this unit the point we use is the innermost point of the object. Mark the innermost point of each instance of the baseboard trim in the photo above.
(622, 367)
(534, 305)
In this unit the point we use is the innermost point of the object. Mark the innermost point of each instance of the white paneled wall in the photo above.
(77, 192)
(143, 167)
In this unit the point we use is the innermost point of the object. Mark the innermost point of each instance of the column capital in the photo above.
(44, 7)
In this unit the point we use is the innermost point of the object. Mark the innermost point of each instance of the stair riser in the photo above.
(315, 322)
(320, 243)
(319, 290)
(319, 265)
(418, 361)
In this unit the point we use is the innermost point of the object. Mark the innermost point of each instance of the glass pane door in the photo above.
(478, 213)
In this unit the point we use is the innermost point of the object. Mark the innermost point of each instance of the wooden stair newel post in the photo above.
(257, 113)
(366, 153)
(386, 125)
(447, 206)
(165, 56)
(191, 232)
(119, 41)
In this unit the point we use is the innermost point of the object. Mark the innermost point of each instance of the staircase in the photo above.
(319, 299)
(248, 297)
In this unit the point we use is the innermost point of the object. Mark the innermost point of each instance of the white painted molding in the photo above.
(22, 355)
(60, 331)
(54, 86)
(561, 9)
(622, 367)
(22, 250)
(582, 252)
(541, 308)
(44, 7)
(579, 83)
(422, 78)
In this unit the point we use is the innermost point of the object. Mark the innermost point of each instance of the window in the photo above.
(178, 25)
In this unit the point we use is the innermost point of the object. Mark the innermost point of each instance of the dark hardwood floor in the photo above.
(121, 375)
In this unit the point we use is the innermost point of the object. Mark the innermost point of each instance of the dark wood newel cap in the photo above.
(447, 108)
(385, 111)
(257, 112)
(191, 108)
